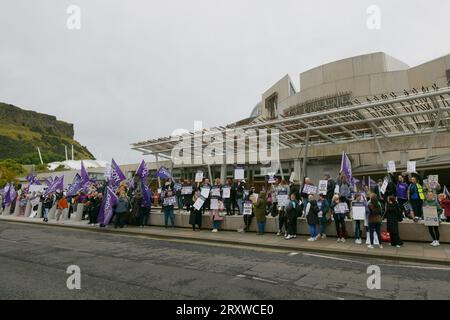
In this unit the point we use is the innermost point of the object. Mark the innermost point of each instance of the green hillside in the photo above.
(22, 131)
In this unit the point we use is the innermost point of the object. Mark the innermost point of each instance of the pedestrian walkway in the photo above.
(411, 251)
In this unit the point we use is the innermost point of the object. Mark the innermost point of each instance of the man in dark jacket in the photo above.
(331, 185)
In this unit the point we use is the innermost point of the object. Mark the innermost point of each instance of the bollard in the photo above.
(7, 211)
(39, 212)
(16, 209)
(79, 212)
(28, 208)
(52, 213)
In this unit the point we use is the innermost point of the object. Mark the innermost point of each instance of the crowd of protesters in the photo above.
(403, 197)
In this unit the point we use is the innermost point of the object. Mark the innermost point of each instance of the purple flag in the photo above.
(147, 194)
(446, 191)
(142, 171)
(58, 184)
(346, 166)
(7, 195)
(76, 185)
(12, 194)
(49, 181)
(163, 173)
(106, 210)
(84, 174)
(363, 182)
(117, 175)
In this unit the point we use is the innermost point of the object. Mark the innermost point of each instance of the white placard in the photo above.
(214, 204)
(411, 166)
(254, 197)
(239, 173)
(199, 176)
(292, 178)
(282, 199)
(186, 190)
(159, 190)
(341, 207)
(309, 189)
(391, 166)
(199, 203)
(170, 201)
(430, 216)
(271, 179)
(247, 207)
(358, 211)
(37, 188)
(336, 189)
(226, 192)
(384, 186)
(205, 192)
(433, 181)
(215, 192)
(323, 187)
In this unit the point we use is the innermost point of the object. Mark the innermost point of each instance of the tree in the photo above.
(9, 171)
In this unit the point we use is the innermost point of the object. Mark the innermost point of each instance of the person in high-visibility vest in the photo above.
(416, 197)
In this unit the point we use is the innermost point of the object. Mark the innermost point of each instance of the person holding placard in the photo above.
(240, 196)
(312, 217)
(331, 185)
(375, 218)
(195, 216)
(293, 211)
(416, 197)
(393, 215)
(444, 201)
(339, 218)
(226, 195)
(260, 212)
(324, 218)
(168, 204)
(359, 211)
(430, 201)
(207, 205)
(345, 190)
(304, 195)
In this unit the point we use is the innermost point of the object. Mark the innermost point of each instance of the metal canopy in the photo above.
(386, 116)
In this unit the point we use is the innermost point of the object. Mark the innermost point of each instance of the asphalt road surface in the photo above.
(34, 260)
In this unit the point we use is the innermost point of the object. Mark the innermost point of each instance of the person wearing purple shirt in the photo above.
(402, 192)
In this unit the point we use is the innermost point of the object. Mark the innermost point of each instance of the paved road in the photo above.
(34, 260)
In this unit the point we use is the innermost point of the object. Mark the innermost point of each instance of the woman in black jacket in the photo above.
(393, 215)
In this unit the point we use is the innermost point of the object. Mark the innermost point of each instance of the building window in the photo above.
(271, 106)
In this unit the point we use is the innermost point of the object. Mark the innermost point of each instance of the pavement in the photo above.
(34, 259)
(411, 251)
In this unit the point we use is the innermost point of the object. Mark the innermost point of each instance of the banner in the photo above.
(323, 187)
(106, 210)
(163, 173)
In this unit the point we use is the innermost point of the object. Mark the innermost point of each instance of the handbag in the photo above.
(385, 236)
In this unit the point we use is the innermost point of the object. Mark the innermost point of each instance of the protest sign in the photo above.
(411, 166)
(336, 189)
(199, 203)
(391, 166)
(215, 191)
(358, 211)
(323, 185)
(226, 191)
(205, 192)
(177, 186)
(37, 188)
(214, 204)
(292, 177)
(384, 186)
(309, 189)
(341, 208)
(282, 199)
(186, 190)
(407, 206)
(430, 216)
(271, 179)
(199, 176)
(170, 201)
(254, 197)
(247, 208)
(433, 181)
(239, 173)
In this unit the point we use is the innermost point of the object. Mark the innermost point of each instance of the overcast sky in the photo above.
(141, 69)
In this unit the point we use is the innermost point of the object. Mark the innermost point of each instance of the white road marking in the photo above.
(292, 254)
(264, 280)
(332, 258)
(7, 240)
(416, 267)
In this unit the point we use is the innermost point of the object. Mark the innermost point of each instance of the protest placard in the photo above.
(309, 189)
(214, 204)
(292, 177)
(433, 181)
(205, 192)
(215, 191)
(199, 203)
(271, 179)
(384, 186)
(391, 166)
(170, 201)
(239, 173)
(411, 166)
(358, 211)
(254, 197)
(247, 208)
(37, 188)
(282, 199)
(323, 185)
(430, 216)
(226, 191)
(199, 176)
(177, 186)
(341, 208)
(186, 190)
